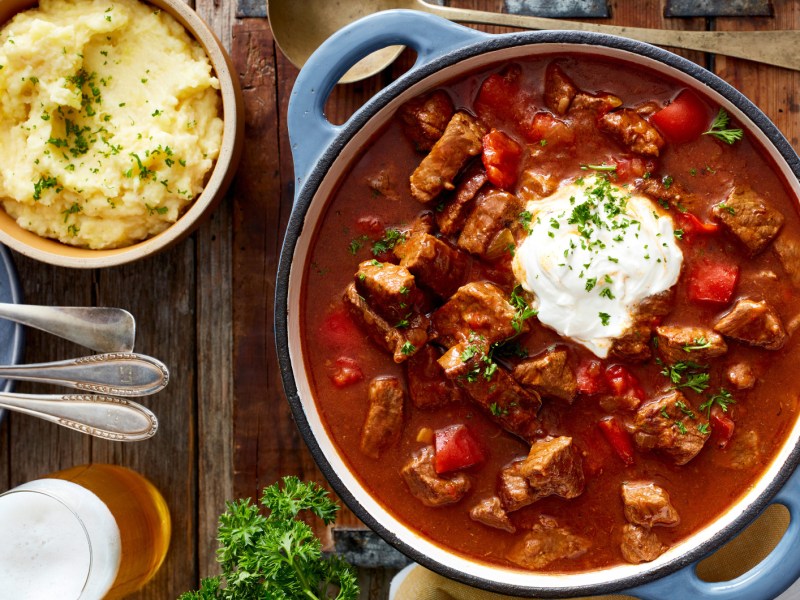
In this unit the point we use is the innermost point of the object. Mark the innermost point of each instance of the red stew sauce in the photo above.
(730, 380)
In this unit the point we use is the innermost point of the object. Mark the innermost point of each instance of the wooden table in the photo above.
(205, 307)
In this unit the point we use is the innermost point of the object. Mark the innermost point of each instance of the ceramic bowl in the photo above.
(53, 252)
(323, 152)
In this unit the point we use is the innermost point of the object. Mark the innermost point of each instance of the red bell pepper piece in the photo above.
(501, 157)
(456, 448)
(712, 280)
(623, 383)
(682, 120)
(722, 427)
(547, 129)
(690, 225)
(339, 330)
(590, 376)
(618, 438)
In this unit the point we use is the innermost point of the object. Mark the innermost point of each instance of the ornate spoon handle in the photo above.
(105, 417)
(121, 374)
(99, 328)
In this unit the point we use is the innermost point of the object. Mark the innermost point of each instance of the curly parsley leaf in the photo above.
(277, 556)
(719, 129)
(390, 239)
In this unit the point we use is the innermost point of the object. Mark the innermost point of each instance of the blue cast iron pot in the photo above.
(322, 153)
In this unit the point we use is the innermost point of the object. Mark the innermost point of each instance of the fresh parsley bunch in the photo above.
(277, 557)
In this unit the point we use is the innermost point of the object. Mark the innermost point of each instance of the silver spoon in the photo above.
(105, 417)
(121, 374)
(99, 328)
(300, 27)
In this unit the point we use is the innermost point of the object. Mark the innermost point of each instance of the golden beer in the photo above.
(141, 515)
(87, 533)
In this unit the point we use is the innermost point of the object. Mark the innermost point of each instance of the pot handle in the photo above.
(767, 580)
(310, 133)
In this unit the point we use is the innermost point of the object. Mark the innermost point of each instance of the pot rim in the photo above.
(304, 195)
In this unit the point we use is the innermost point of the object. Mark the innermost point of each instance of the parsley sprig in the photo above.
(722, 399)
(696, 378)
(524, 311)
(719, 128)
(277, 556)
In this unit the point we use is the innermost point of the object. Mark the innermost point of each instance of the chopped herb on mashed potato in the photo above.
(108, 120)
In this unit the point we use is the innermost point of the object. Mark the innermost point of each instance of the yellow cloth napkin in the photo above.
(736, 557)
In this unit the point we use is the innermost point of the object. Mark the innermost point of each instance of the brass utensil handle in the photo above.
(120, 374)
(100, 328)
(106, 417)
(780, 48)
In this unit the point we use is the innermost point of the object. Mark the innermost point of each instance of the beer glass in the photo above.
(90, 532)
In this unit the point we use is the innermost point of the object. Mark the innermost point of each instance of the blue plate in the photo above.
(12, 335)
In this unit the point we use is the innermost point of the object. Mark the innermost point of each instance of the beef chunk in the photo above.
(426, 117)
(462, 139)
(558, 90)
(401, 343)
(755, 323)
(534, 185)
(749, 218)
(491, 513)
(633, 131)
(384, 422)
(676, 344)
(385, 182)
(387, 288)
(647, 504)
(549, 374)
(544, 545)
(634, 343)
(672, 195)
(494, 210)
(436, 265)
(478, 310)
(492, 388)
(454, 211)
(428, 487)
(599, 103)
(640, 544)
(743, 451)
(669, 424)
(427, 384)
(788, 251)
(741, 376)
(553, 466)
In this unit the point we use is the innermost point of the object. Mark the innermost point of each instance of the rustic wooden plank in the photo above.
(215, 342)
(161, 293)
(772, 89)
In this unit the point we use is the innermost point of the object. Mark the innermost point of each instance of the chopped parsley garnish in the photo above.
(727, 208)
(590, 283)
(721, 399)
(497, 410)
(676, 372)
(525, 219)
(696, 381)
(408, 348)
(524, 311)
(699, 343)
(678, 233)
(357, 243)
(719, 129)
(601, 167)
(605, 318)
(391, 238)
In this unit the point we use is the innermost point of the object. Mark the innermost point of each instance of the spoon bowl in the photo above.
(300, 27)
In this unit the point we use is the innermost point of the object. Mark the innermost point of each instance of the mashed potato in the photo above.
(108, 121)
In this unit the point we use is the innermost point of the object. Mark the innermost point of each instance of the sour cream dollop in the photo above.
(593, 253)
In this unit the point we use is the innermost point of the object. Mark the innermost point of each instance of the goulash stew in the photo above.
(548, 314)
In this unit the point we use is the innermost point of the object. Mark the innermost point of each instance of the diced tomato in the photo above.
(550, 130)
(501, 157)
(338, 329)
(712, 280)
(682, 120)
(619, 439)
(591, 378)
(690, 225)
(345, 371)
(456, 448)
(501, 97)
(722, 427)
(623, 383)
(629, 169)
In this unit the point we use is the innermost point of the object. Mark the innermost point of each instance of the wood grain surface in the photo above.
(205, 307)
